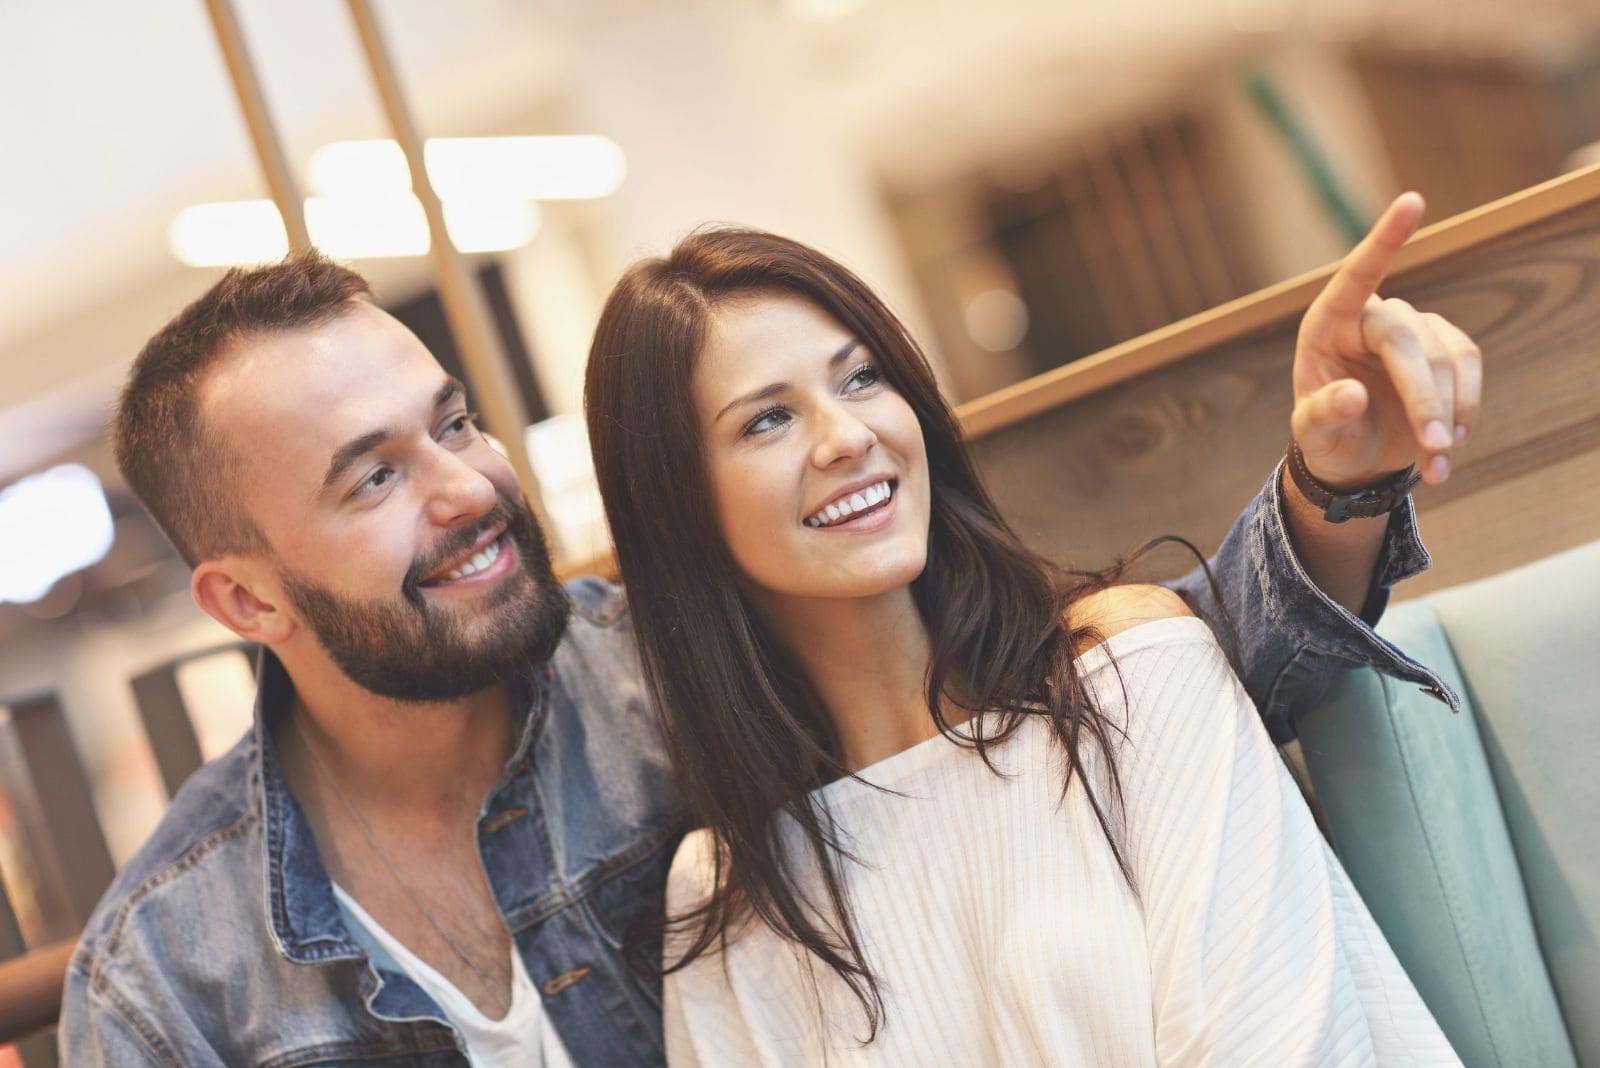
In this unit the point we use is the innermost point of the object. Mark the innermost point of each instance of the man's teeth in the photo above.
(481, 560)
(845, 507)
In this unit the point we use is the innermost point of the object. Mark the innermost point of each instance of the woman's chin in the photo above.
(855, 584)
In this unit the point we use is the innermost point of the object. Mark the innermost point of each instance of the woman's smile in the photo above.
(854, 507)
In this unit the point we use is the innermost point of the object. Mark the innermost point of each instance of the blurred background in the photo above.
(1028, 181)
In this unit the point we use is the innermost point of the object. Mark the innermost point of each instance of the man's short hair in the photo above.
(183, 471)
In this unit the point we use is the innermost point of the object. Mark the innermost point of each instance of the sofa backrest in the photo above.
(1475, 839)
(1528, 642)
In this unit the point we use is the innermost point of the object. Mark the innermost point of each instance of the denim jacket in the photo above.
(220, 942)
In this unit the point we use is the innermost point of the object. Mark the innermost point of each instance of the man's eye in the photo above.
(767, 420)
(862, 377)
(379, 478)
(461, 424)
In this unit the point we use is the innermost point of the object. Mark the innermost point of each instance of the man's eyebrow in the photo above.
(778, 387)
(350, 452)
(354, 449)
(451, 389)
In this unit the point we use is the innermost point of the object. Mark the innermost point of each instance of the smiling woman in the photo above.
(796, 444)
(958, 803)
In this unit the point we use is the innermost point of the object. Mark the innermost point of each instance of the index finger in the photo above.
(1362, 271)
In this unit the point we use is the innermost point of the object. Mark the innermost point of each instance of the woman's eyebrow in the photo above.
(778, 387)
(844, 353)
(750, 398)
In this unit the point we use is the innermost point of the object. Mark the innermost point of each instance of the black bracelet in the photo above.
(1375, 500)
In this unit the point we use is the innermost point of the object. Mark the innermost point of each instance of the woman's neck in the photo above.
(868, 659)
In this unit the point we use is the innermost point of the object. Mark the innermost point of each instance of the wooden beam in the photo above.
(30, 991)
(263, 134)
(493, 387)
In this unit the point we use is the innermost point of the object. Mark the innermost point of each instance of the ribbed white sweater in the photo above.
(1003, 933)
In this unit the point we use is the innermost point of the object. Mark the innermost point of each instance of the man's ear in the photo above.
(231, 591)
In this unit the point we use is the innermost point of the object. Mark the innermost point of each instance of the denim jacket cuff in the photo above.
(1324, 629)
(1400, 556)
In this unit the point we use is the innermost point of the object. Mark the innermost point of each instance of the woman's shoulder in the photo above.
(1133, 625)
(1147, 656)
(693, 865)
(1114, 609)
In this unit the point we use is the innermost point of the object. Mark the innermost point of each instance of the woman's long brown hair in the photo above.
(749, 737)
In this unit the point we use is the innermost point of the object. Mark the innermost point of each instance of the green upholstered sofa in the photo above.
(1475, 838)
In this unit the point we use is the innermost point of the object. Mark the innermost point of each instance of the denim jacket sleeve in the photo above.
(93, 1033)
(1287, 639)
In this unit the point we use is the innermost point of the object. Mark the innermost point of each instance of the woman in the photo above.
(959, 806)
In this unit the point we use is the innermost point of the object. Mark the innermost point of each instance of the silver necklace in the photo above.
(372, 842)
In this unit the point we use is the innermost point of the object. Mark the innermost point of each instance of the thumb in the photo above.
(1319, 417)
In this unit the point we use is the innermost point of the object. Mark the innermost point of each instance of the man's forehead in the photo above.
(298, 395)
(363, 355)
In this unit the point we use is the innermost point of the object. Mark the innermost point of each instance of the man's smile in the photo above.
(488, 559)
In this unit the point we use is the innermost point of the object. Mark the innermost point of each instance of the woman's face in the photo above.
(817, 468)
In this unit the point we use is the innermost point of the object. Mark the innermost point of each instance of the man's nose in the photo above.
(457, 491)
(842, 437)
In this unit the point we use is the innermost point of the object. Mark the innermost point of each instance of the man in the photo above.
(453, 807)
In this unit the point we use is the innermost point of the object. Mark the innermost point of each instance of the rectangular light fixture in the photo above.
(460, 168)
(226, 233)
(366, 209)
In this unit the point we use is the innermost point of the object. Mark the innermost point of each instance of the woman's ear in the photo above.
(231, 591)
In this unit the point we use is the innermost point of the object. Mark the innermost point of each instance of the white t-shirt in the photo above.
(520, 1039)
(1003, 933)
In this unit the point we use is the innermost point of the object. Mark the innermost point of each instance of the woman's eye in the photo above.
(768, 420)
(862, 377)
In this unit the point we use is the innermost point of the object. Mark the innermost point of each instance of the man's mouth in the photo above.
(480, 556)
(852, 504)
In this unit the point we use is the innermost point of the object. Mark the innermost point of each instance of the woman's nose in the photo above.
(844, 437)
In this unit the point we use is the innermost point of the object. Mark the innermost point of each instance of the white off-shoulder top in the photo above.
(1003, 932)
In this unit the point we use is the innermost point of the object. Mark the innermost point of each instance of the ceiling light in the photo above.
(51, 524)
(229, 232)
(820, 10)
(346, 228)
(468, 168)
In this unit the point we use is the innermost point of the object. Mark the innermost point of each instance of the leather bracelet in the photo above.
(1377, 499)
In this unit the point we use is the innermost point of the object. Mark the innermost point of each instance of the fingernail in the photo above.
(1435, 436)
(1461, 434)
(1439, 468)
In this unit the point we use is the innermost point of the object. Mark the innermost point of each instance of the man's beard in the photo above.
(409, 650)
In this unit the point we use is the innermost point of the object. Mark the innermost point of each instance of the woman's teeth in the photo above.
(482, 559)
(847, 506)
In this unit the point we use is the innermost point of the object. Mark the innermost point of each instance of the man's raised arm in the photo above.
(1307, 567)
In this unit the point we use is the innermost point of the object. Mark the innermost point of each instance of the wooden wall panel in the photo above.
(1173, 432)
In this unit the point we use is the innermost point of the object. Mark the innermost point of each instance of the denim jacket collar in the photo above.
(303, 916)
